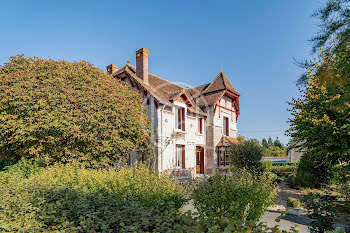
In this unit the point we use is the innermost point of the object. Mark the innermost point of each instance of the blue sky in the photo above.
(188, 41)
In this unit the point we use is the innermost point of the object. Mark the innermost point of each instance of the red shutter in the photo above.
(183, 156)
(200, 125)
(183, 120)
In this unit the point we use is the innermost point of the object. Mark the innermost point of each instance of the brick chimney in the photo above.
(111, 69)
(142, 64)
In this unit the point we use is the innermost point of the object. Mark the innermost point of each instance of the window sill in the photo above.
(199, 134)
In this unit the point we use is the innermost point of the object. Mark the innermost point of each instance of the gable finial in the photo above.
(221, 68)
(128, 61)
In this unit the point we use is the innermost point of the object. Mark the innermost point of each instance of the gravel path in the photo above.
(300, 222)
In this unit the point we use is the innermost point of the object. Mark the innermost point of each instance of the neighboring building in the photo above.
(193, 126)
(295, 153)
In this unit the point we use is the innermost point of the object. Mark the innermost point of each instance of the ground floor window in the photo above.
(180, 156)
(222, 156)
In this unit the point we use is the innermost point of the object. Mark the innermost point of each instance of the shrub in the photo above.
(293, 202)
(342, 180)
(283, 170)
(22, 169)
(321, 211)
(315, 169)
(4, 163)
(245, 155)
(69, 198)
(243, 195)
(64, 111)
(267, 165)
(271, 176)
(285, 164)
(302, 179)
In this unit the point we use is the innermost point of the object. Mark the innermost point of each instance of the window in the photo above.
(180, 156)
(180, 119)
(225, 128)
(200, 125)
(222, 156)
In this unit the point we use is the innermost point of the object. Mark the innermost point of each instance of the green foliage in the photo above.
(66, 111)
(264, 143)
(20, 170)
(272, 148)
(226, 223)
(278, 143)
(302, 180)
(267, 165)
(342, 180)
(274, 151)
(269, 141)
(283, 170)
(334, 18)
(311, 172)
(69, 198)
(243, 195)
(276, 164)
(293, 202)
(4, 163)
(321, 122)
(245, 155)
(321, 211)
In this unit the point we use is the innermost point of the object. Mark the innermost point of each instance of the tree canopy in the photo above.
(65, 111)
(246, 154)
(320, 122)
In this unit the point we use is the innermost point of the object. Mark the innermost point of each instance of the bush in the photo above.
(267, 165)
(65, 111)
(285, 164)
(316, 171)
(22, 169)
(302, 179)
(321, 211)
(283, 170)
(342, 180)
(68, 198)
(243, 195)
(245, 155)
(4, 163)
(293, 202)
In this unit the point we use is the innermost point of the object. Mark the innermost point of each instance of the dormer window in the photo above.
(180, 119)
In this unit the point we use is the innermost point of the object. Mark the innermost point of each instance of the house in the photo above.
(193, 126)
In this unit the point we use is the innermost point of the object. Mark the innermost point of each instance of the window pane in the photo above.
(179, 118)
(178, 155)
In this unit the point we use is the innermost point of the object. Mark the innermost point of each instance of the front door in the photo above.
(200, 159)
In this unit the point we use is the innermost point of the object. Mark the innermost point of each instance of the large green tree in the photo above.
(320, 122)
(66, 111)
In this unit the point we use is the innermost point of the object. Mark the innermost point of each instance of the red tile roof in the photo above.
(227, 141)
(166, 92)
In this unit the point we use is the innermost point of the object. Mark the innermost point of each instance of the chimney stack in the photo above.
(111, 69)
(142, 64)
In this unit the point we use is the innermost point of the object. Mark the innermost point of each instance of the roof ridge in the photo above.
(158, 77)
